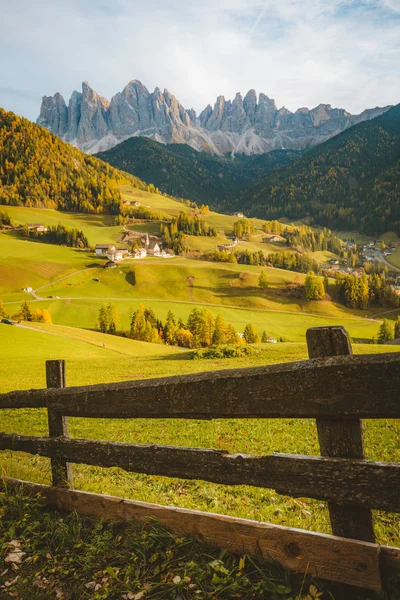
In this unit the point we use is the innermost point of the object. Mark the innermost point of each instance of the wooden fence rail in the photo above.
(334, 387)
(339, 387)
(345, 481)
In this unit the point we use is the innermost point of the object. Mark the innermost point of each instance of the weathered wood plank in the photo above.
(353, 386)
(340, 438)
(61, 471)
(356, 482)
(322, 556)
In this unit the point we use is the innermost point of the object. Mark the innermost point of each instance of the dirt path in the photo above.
(383, 259)
(34, 292)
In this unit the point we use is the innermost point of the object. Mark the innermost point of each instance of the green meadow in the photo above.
(290, 326)
(74, 298)
(72, 286)
(94, 358)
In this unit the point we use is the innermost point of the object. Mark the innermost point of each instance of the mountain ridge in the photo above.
(249, 125)
(179, 170)
(350, 182)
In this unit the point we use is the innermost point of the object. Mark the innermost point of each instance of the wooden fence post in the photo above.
(61, 471)
(340, 438)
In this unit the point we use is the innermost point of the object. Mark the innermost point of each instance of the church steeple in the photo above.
(147, 243)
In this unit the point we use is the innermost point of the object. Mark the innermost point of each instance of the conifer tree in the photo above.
(138, 324)
(170, 329)
(314, 287)
(220, 331)
(196, 326)
(397, 328)
(385, 332)
(250, 334)
(231, 335)
(263, 282)
(25, 312)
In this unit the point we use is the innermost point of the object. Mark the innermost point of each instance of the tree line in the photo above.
(173, 233)
(290, 261)
(243, 228)
(365, 291)
(26, 313)
(127, 213)
(305, 238)
(201, 330)
(58, 234)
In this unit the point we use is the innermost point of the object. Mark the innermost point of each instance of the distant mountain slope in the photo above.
(181, 171)
(38, 169)
(352, 181)
(249, 125)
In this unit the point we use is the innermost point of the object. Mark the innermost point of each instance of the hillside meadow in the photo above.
(99, 229)
(73, 286)
(96, 358)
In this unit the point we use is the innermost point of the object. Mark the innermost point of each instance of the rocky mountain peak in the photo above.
(247, 125)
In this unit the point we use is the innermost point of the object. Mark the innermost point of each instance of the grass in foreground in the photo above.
(65, 556)
(22, 365)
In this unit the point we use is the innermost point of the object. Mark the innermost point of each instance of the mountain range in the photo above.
(249, 125)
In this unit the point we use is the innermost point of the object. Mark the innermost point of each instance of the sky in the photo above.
(299, 52)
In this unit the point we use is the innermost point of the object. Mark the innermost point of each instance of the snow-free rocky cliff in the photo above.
(248, 125)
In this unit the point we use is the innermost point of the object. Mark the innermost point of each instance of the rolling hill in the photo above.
(350, 182)
(181, 171)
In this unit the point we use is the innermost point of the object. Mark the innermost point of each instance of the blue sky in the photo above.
(300, 52)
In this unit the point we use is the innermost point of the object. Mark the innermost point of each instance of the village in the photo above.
(140, 248)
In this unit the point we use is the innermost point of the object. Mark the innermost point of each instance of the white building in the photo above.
(139, 253)
(154, 249)
(104, 249)
(118, 254)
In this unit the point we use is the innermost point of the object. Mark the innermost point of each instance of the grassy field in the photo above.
(28, 263)
(232, 290)
(99, 229)
(178, 284)
(290, 326)
(22, 356)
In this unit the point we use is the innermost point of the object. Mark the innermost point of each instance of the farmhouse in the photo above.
(240, 215)
(139, 253)
(37, 227)
(104, 249)
(276, 239)
(153, 249)
(118, 254)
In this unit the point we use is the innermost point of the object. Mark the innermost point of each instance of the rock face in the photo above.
(248, 126)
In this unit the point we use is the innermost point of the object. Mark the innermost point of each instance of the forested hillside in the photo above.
(352, 181)
(181, 171)
(38, 169)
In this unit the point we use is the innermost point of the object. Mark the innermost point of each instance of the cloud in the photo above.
(301, 52)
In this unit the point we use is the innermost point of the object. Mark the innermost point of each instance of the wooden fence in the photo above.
(335, 387)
